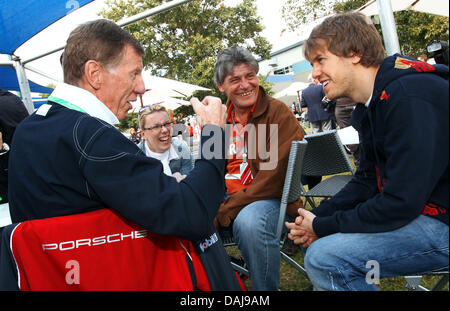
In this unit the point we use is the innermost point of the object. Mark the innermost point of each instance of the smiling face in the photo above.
(157, 139)
(241, 87)
(335, 73)
(122, 83)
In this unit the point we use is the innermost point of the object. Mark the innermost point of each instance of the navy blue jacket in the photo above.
(404, 136)
(312, 98)
(69, 162)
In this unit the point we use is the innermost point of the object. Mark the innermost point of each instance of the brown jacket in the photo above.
(267, 183)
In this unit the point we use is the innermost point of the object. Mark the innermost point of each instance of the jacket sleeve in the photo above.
(135, 186)
(414, 138)
(361, 188)
(186, 158)
(266, 184)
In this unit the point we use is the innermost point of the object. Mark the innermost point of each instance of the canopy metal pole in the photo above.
(388, 27)
(35, 70)
(161, 8)
(25, 91)
(127, 21)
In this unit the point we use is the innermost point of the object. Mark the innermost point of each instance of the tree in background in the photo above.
(182, 43)
(46, 95)
(415, 29)
(131, 120)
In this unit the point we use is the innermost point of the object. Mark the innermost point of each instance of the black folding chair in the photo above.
(326, 156)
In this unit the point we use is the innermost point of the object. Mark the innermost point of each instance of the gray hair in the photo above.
(230, 57)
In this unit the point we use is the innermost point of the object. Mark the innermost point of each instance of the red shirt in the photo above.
(235, 151)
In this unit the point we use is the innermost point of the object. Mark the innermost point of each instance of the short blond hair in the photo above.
(148, 110)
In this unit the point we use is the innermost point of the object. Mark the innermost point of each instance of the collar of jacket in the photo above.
(262, 104)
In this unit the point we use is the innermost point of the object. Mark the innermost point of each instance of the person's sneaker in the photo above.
(289, 248)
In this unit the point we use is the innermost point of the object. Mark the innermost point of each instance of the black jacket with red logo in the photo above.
(404, 136)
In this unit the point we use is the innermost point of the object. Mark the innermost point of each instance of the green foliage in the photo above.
(298, 13)
(415, 29)
(46, 95)
(266, 84)
(130, 121)
(183, 42)
(185, 111)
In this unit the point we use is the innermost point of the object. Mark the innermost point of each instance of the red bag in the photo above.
(101, 250)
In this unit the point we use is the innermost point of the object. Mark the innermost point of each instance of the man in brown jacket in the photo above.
(261, 129)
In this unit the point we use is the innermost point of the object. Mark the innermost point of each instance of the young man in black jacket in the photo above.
(392, 218)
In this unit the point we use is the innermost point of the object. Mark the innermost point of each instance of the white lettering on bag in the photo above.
(90, 242)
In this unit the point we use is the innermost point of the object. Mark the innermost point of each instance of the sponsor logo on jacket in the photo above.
(384, 96)
(403, 63)
(208, 242)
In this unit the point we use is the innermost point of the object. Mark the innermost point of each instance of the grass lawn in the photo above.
(292, 280)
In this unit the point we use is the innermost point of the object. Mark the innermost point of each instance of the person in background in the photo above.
(12, 112)
(157, 142)
(392, 218)
(343, 113)
(134, 136)
(312, 99)
(423, 58)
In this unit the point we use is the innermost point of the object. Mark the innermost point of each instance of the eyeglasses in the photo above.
(159, 127)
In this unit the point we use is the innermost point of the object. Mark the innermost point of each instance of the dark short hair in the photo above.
(230, 57)
(101, 40)
(347, 33)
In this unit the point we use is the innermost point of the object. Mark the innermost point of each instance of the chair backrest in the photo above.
(98, 250)
(292, 181)
(325, 155)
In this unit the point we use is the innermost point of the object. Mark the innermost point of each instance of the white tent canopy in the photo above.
(168, 102)
(292, 90)
(438, 7)
(163, 87)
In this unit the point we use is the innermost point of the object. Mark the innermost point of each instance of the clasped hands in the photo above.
(301, 230)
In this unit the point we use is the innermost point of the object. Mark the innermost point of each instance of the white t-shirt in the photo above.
(164, 157)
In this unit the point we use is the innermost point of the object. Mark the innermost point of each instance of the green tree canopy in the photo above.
(182, 43)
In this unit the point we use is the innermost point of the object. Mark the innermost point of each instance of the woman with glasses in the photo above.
(157, 142)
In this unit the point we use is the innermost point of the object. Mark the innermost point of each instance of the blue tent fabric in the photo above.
(21, 20)
(8, 81)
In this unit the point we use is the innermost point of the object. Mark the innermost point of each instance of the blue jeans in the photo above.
(355, 261)
(254, 231)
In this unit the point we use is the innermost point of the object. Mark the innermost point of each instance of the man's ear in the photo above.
(221, 89)
(93, 73)
(355, 58)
